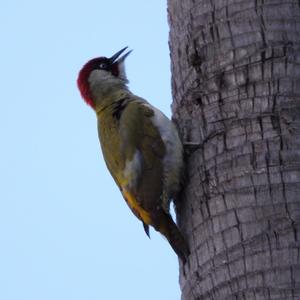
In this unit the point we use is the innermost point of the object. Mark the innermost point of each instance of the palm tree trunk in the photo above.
(236, 90)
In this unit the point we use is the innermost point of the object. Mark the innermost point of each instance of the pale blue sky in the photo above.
(65, 231)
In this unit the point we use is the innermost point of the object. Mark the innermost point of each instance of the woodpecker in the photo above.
(140, 145)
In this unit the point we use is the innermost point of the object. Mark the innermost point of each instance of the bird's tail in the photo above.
(170, 230)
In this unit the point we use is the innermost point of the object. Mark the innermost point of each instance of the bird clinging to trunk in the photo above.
(140, 145)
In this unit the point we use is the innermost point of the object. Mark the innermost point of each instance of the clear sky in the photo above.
(65, 231)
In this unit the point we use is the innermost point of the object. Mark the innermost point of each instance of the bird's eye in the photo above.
(103, 66)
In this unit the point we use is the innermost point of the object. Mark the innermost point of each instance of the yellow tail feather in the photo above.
(162, 222)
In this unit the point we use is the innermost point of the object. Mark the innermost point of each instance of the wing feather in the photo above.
(138, 133)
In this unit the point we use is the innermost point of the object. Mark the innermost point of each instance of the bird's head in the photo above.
(101, 74)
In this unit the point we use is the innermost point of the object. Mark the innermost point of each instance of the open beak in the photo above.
(114, 58)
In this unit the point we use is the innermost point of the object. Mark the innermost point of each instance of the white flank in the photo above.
(133, 169)
(173, 160)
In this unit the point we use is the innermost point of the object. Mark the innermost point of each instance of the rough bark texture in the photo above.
(236, 89)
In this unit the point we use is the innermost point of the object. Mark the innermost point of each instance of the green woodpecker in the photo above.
(140, 145)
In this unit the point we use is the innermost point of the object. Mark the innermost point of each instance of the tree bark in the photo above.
(236, 100)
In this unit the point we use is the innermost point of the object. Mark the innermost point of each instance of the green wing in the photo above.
(137, 133)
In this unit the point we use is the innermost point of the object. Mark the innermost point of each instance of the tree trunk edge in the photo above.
(238, 96)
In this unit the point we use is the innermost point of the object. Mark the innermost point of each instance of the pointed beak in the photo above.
(114, 58)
